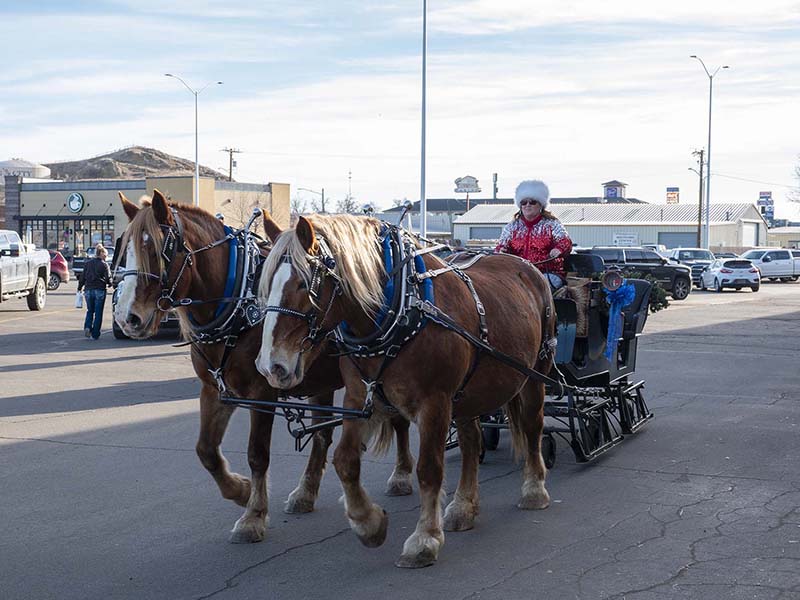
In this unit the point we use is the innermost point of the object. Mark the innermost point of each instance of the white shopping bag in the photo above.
(79, 300)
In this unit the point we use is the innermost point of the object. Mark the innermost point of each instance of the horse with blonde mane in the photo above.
(331, 270)
(197, 272)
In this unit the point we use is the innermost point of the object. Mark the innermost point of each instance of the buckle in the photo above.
(168, 299)
(392, 351)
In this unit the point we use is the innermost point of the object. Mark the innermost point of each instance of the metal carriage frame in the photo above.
(600, 402)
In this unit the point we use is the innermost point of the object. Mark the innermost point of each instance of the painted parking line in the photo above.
(38, 314)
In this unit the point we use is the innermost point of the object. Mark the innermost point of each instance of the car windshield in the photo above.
(754, 254)
(737, 263)
(695, 255)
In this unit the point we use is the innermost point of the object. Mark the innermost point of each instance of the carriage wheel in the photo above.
(491, 437)
(549, 450)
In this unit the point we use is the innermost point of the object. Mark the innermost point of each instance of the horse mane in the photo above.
(145, 223)
(352, 240)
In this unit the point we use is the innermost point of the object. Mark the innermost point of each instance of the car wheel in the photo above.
(38, 296)
(795, 277)
(703, 284)
(681, 288)
(53, 282)
(755, 288)
(785, 279)
(717, 286)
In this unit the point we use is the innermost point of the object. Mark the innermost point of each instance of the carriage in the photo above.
(323, 290)
(599, 402)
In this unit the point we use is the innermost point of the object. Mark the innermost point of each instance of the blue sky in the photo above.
(575, 93)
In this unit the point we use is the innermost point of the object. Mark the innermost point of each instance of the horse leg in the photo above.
(399, 484)
(534, 494)
(303, 497)
(368, 520)
(461, 512)
(422, 547)
(252, 525)
(214, 417)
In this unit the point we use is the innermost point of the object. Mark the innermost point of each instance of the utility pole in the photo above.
(494, 186)
(699, 154)
(231, 152)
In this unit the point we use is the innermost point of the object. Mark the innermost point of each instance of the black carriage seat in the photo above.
(635, 314)
(584, 265)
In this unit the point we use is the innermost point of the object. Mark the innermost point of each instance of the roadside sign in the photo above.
(467, 185)
(626, 239)
(673, 195)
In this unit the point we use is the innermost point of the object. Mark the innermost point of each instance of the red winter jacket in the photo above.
(533, 241)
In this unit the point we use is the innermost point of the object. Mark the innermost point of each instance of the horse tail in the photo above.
(382, 437)
(519, 440)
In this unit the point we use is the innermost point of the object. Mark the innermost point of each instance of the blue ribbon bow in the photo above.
(617, 299)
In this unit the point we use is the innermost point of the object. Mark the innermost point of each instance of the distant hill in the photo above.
(136, 162)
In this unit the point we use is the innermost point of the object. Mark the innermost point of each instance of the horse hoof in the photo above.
(458, 518)
(534, 502)
(373, 534)
(416, 561)
(399, 486)
(247, 532)
(298, 504)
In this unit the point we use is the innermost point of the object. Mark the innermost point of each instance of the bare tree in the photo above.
(347, 205)
(315, 206)
(299, 205)
(239, 208)
(794, 194)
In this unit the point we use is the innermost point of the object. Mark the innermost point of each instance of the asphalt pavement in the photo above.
(102, 495)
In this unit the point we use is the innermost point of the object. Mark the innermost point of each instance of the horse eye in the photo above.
(301, 286)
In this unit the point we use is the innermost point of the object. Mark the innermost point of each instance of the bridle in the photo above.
(173, 242)
(324, 265)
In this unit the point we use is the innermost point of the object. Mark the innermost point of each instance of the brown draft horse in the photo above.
(138, 314)
(422, 380)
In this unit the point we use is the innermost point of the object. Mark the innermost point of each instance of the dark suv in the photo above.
(696, 259)
(676, 279)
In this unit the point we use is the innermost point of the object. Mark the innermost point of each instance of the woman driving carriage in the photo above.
(535, 234)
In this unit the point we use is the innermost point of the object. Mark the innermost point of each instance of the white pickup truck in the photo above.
(24, 271)
(776, 263)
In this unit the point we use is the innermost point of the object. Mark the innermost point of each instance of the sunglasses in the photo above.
(528, 202)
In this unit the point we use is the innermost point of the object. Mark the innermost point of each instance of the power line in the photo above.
(363, 156)
(755, 181)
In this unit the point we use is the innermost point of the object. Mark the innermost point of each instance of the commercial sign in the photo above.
(467, 185)
(75, 202)
(673, 195)
(766, 206)
(626, 239)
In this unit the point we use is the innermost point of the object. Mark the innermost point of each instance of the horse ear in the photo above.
(160, 209)
(305, 233)
(271, 227)
(129, 207)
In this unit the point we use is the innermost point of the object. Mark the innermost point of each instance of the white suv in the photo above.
(731, 273)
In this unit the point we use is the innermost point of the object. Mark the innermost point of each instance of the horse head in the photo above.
(159, 269)
(324, 271)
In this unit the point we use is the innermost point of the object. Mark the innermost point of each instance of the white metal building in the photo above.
(733, 226)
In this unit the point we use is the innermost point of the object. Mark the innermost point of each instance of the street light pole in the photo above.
(423, 204)
(195, 93)
(707, 241)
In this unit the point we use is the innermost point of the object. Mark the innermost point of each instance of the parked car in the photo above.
(694, 258)
(169, 321)
(725, 255)
(660, 249)
(730, 273)
(676, 279)
(59, 270)
(775, 263)
(24, 271)
(79, 261)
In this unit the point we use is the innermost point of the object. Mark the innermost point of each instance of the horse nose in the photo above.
(134, 320)
(278, 371)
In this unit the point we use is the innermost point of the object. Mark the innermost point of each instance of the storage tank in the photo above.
(23, 168)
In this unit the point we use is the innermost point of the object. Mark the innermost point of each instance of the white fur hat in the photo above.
(533, 188)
